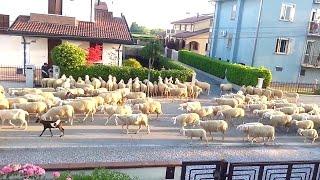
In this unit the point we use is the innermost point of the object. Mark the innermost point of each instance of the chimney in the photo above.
(53, 19)
(4, 21)
(55, 7)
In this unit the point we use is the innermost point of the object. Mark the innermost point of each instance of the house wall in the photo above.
(38, 51)
(11, 50)
(202, 39)
(311, 75)
(245, 26)
(83, 44)
(110, 54)
(202, 25)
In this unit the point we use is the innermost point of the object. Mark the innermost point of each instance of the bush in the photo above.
(235, 73)
(68, 56)
(132, 63)
(96, 174)
(174, 69)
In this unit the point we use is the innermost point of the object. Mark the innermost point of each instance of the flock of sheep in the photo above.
(131, 103)
(274, 108)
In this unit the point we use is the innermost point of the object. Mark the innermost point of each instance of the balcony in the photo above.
(310, 61)
(314, 29)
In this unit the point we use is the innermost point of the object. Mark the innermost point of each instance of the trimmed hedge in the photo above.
(174, 69)
(235, 73)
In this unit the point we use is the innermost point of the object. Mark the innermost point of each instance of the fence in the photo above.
(17, 74)
(296, 87)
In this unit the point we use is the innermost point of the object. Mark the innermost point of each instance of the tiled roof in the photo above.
(106, 28)
(193, 19)
(190, 34)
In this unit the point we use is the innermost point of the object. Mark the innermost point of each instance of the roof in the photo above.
(190, 34)
(193, 19)
(106, 28)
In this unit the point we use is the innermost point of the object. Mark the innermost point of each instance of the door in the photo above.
(51, 44)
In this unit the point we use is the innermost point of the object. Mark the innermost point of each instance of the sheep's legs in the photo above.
(211, 134)
(12, 124)
(62, 131)
(106, 121)
(92, 119)
(42, 131)
(51, 132)
(138, 129)
(148, 128)
(86, 116)
(223, 136)
(127, 128)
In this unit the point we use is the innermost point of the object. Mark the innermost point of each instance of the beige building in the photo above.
(192, 34)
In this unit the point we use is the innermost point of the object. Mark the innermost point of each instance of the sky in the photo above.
(149, 13)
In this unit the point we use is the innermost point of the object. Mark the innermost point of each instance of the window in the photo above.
(282, 46)
(234, 12)
(308, 48)
(229, 41)
(180, 27)
(207, 46)
(279, 69)
(287, 12)
(4, 21)
(302, 72)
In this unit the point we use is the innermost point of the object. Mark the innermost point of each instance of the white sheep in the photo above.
(226, 101)
(309, 107)
(64, 111)
(96, 83)
(203, 85)
(253, 107)
(293, 96)
(110, 110)
(265, 131)
(14, 114)
(186, 119)
(4, 104)
(190, 106)
(245, 128)
(136, 95)
(299, 117)
(225, 88)
(308, 134)
(201, 133)
(214, 126)
(304, 124)
(289, 110)
(178, 92)
(149, 108)
(228, 114)
(216, 109)
(37, 108)
(205, 112)
(114, 97)
(315, 119)
(133, 119)
(16, 100)
(83, 106)
(280, 120)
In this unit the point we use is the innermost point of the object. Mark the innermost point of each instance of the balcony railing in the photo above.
(314, 28)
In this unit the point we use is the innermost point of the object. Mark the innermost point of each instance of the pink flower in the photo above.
(7, 170)
(40, 171)
(56, 174)
(69, 178)
(30, 172)
(1, 172)
(16, 167)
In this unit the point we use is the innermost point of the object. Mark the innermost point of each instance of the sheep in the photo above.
(245, 128)
(308, 134)
(203, 85)
(16, 100)
(201, 133)
(264, 131)
(129, 84)
(253, 107)
(214, 126)
(37, 108)
(143, 87)
(293, 96)
(190, 106)
(301, 109)
(112, 97)
(96, 83)
(226, 101)
(260, 113)
(150, 89)
(277, 93)
(87, 79)
(314, 112)
(14, 114)
(268, 114)
(136, 95)
(66, 84)
(257, 91)
(121, 84)
(58, 82)
(139, 101)
(228, 114)
(315, 119)
(289, 110)
(136, 85)
(267, 93)
(179, 92)
(196, 90)
(34, 97)
(187, 119)
(309, 107)
(44, 82)
(299, 117)
(149, 108)
(110, 110)
(51, 124)
(281, 105)
(249, 90)
(305, 124)
(133, 119)
(216, 109)
(99, 91)
(4, 104)
(103, 82)
(72, 81)
(98, 100)
(80, 81)
(280, 120)
(205, 111)
(88, 88)
(225, 88)
(163, 89)
(83, 106)
(123, 91)
(64, 111)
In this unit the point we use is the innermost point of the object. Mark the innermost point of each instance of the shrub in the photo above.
(96, 174)
(132, 63)
(68, 56)
(235, 73)
(174, 69)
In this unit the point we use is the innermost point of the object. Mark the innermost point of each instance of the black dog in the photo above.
(51, 124)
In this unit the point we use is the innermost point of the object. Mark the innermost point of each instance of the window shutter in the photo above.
(292, 12)
(282, 12)
(291, 46)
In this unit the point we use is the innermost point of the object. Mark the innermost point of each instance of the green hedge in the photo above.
(174, 69)
(236, 73)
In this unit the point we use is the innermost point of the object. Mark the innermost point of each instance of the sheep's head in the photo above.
(299, 131)
(63, 77)
(294, 122)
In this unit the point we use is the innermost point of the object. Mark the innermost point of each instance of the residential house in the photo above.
(192, 33)
(282, 35)
(29, 39)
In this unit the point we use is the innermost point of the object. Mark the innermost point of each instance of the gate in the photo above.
(13, 75)
(222, 170)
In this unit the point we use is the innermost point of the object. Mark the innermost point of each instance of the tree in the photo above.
(94, 54)
(152, 51)
(68, 56)
(156, 31)
(135, 28)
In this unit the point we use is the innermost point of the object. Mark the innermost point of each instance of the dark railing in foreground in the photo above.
(215, 170)
(296, 87)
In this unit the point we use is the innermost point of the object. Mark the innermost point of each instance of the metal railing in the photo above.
(17, 74)
(296, 87)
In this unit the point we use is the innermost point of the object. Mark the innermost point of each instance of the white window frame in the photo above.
(278, 45)
(229, 40)
(316, 1)
(233, 11)
(283, 11)
(309, 42)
